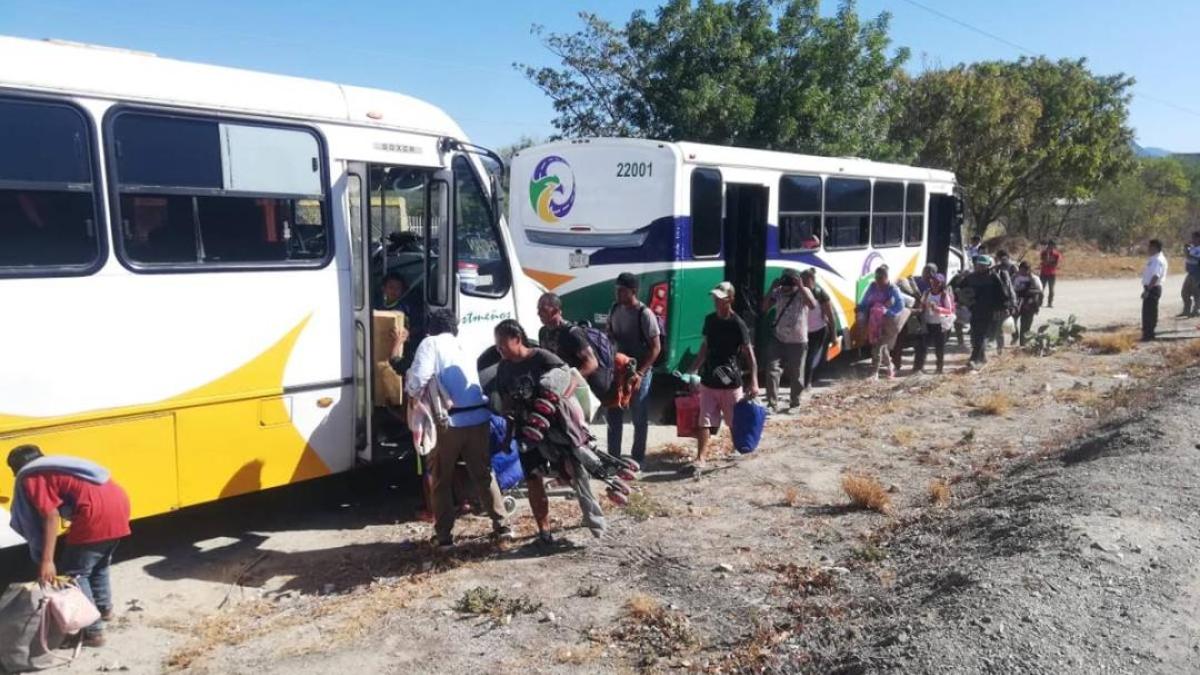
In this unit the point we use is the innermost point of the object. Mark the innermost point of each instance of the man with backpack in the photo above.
(636, 331)
(984, 294)
(583, 348)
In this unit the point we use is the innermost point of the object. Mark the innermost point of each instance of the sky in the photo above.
(459, 54)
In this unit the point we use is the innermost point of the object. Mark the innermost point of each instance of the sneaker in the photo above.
(441, 543)
(545, 539)
(93, 640)
(502, 533)
(106, 614)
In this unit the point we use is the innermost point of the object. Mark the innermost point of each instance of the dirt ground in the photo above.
(1031, 517)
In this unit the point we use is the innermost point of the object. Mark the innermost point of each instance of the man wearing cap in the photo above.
(634, 328)
(726, 341)
(787, 349)
(984, 295)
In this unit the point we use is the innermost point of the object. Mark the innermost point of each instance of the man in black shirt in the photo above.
(983, 293)
(569, 343)
(726, 343)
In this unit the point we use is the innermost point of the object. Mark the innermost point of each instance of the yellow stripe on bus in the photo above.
(228, 437)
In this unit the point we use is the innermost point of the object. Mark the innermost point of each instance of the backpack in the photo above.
(662, 329)
(600, 343)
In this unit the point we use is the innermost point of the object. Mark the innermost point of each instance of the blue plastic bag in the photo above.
(506, 462)
(749, 416)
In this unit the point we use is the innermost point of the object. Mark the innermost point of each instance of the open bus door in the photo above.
(945, 233)
(746, 208)
(400, 224)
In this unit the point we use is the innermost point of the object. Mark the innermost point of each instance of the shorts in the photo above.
(718, 403)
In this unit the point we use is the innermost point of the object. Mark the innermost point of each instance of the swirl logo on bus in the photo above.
(552, 189)
(872, 262)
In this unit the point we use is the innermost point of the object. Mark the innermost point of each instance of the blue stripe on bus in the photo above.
(669, 239)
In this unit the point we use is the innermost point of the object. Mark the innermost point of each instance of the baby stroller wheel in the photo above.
(510, 505)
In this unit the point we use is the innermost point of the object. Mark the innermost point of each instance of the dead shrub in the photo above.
(939, 493)
(1080, 394)
(997, 404)
(1111, 343)
(806, 579)
(654, 631)
(865, 492)
(676, 453)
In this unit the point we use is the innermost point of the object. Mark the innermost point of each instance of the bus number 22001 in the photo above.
(635, 169)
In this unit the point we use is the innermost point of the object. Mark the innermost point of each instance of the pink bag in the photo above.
(70, 609)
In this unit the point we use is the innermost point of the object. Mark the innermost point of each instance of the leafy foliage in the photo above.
(771, 74)
(1032, 129)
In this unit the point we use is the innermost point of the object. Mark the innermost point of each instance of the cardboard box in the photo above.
(389, 386)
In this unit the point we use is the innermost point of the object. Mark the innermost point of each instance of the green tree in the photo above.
(769, 74)
(1151, 201)
(1034, 130)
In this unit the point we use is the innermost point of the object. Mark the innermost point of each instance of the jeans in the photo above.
(1150, 311)
(88, 564)
(1026, 327)
(786, 359)
(639, 409)
(1191, 294)
(1048, 286)
(819, 341)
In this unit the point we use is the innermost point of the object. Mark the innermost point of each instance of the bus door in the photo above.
(746, 248)
(944, 240)
(405, 228)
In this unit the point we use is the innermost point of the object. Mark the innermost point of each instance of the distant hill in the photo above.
(1150, 152)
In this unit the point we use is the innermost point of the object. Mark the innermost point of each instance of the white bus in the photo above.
(189, 256)
(685, 216)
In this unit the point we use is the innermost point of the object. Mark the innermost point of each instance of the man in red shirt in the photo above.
(76, 490)
(1051, 256)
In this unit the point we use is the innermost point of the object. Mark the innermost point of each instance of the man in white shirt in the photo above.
(441, 356)
(1152, 278)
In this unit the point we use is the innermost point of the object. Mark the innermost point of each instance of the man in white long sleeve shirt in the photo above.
(440, 355)
(1153, 276)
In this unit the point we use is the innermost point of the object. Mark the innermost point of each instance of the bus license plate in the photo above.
(578, 259)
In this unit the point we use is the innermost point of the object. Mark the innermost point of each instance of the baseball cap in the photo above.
(722, 290)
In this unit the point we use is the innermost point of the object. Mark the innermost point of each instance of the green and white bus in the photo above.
(684, 216)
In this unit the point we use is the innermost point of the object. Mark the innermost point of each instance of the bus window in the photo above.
(914, 229)
(707, 212)
(799, 213)
(47, 200)
(482, 269)
(197, 192)
(887, 214)
(847, 213)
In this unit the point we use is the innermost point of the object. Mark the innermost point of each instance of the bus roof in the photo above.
(720, 155)
(101, 72)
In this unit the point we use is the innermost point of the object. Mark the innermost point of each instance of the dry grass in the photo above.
(642, 507)
(997, 404)
(904, 437)
(1111, 343)
(641, 607)
(792, 496)
(939, 493)
(865, 492)
(677, 452)
(577, 655)
(1183, 354)
(489, 602)
(1081, 394)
